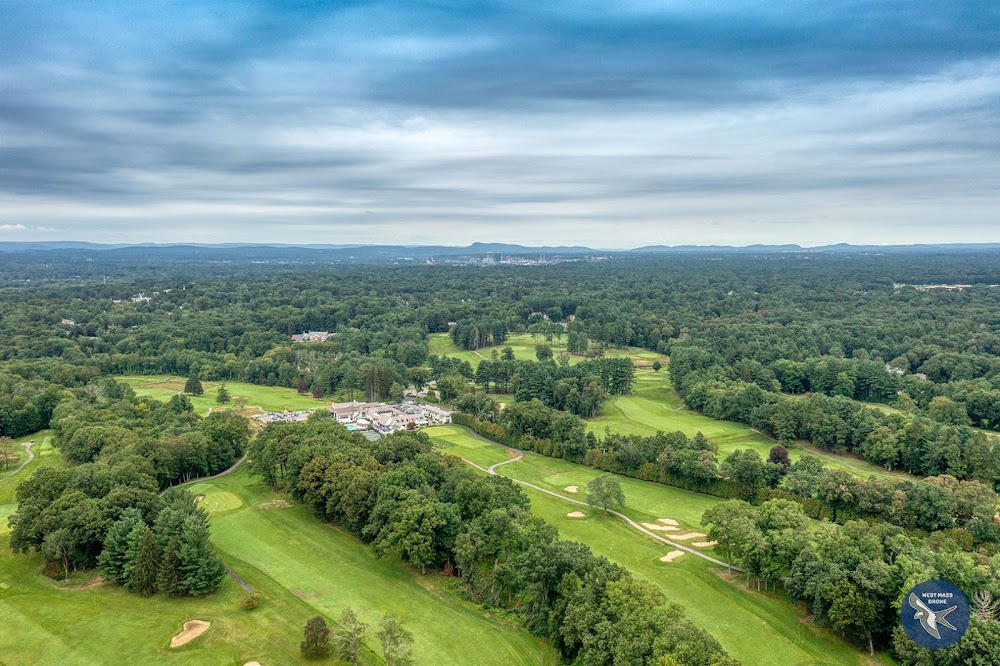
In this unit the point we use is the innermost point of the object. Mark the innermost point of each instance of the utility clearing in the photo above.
(192, 630)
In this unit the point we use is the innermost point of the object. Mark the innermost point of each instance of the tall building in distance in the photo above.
(490, 259)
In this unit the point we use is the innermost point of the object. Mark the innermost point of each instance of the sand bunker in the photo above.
(576, 514)
(276, 504)
(252, 663)
(192, 630)
(689, 535)
(671, 556)
(704, 544)
(572, 489)
(658, 527)
(198, 498)
(668, 521)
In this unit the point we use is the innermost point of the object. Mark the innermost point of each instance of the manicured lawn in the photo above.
(654, 406)
(330, 570)
(301, 566)
(733, 614)
(523, 346)
(268, 398)
(45, 456)
(459, 441)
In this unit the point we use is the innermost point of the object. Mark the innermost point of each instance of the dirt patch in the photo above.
(192, 630)
(689, 535)
(96, 581)
(671, 556)
(704, 544)
(576, 514)
(658, 527)
(667, 521)
(572, 489)
(502, 405)
(276, 504)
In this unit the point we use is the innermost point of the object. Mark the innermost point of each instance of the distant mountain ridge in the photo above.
(360, 252)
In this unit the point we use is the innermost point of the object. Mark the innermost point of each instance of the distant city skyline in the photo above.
(610, 124)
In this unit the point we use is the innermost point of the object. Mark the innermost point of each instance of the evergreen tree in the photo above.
(201, 569)
(168, 578)
(222, 396)
(113, 559)
(193, 385)
(147, 563)
(317, 638)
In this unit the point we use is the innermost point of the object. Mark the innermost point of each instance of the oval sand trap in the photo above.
(668, 521)
(576, 514)
(572, 489)
(671, 556)
(192, 630)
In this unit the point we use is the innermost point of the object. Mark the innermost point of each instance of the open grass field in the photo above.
(735, 615)
(523, 346)
(654, 406)
(268, 398)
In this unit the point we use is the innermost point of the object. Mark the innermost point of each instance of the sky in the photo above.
(611, 124)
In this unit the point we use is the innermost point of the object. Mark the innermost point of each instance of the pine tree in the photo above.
(193, 385)
(222, 397)
(113, 558)
(168, 578)
(147, 563)
(201, 569)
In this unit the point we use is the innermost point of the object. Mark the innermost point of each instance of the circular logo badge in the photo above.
(935, 614)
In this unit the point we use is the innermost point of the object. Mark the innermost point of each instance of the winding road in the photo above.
(519, 454)
(31, 456)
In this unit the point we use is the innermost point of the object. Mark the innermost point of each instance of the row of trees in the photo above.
(853, 577)
(429, 510)
(893, 440)
(965, 508)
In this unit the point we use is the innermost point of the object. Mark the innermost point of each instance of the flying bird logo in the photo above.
(930, 619)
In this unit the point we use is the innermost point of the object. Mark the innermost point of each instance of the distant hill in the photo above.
(340, 253)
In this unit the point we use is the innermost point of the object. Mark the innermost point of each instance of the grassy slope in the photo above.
(736, 616)
(655, 406)
(301, 566)
(268, 398)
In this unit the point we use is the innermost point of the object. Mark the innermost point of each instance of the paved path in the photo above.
(520, 454)
(31, 456)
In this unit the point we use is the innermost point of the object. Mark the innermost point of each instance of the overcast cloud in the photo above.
(616, 124)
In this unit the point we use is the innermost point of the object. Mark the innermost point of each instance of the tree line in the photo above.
(431, 511)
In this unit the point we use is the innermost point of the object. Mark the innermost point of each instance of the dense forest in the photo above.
(894, 358)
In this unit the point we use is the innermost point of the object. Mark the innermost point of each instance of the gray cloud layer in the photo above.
(622, 124)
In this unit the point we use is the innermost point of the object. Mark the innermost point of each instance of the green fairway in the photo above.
(732, 613)
(268, 398)
(523, 346)
(330, 570)
(301, 566)
(654, 406)
(45, 456)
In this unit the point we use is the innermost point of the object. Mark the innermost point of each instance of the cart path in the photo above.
(520, 455)
(31, 456)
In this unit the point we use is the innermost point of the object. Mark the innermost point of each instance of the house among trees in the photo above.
(311, 336)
